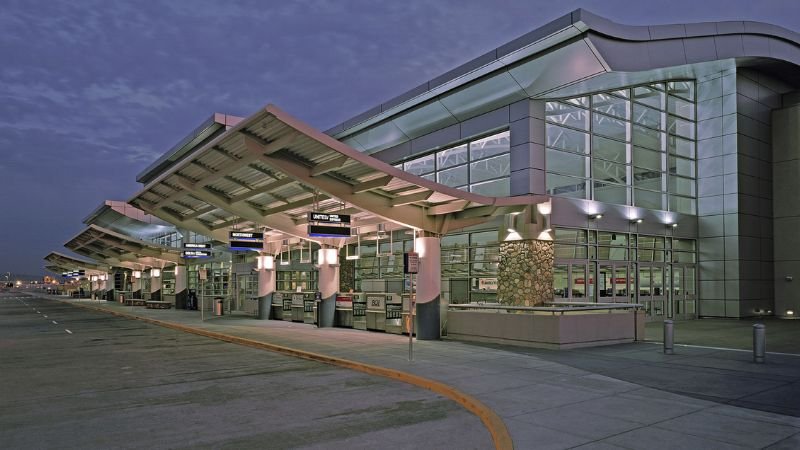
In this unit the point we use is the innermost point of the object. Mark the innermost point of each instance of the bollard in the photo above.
(669, 336)
(759, 343)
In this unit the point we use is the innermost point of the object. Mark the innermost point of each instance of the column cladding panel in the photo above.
(786, 184)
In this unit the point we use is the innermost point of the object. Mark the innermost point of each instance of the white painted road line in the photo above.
(55, 322)
(70, 332)
(45, 316)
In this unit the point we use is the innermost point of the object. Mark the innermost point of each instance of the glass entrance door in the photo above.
(573, 282)
(613, 283)
(653, 293)
(684, 292)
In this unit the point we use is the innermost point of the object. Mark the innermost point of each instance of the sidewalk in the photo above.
(626, 396)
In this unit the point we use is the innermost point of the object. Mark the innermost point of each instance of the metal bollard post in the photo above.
(759, 343)
(669, 337)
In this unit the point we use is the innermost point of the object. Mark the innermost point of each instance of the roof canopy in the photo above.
(129, 220)
(59, 262)
(121, 250)
(271, 169)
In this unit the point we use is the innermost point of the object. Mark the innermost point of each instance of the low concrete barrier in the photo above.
(571, 325)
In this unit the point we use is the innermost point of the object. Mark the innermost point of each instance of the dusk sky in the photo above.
(91, 92)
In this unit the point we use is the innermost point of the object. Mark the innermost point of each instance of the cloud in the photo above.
(122, 92)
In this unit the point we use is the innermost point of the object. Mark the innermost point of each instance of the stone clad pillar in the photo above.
(525, 273)
(429, 288)
(328, 262)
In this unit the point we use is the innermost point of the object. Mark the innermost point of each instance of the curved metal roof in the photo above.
(575, 47)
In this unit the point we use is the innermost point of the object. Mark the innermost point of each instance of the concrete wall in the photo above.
(547, 331)
(786, 186)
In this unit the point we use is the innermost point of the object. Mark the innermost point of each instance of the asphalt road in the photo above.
(71, 378)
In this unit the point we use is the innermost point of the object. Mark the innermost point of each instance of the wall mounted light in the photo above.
(356, 255)
(137, 274)
(789, 312)
(673, 225)
(265, 262)
(285, 244)
(636, 221)
(307, 258)
(511, 222)
(329, 256)
(595, 216)
(155, 273)
(94, 277)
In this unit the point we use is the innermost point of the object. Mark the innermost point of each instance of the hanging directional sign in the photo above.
(245, 240)
(196, 254)
(329, 218)
(194, 245)
(328, 231)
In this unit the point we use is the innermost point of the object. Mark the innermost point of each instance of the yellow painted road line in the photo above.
(493, 422)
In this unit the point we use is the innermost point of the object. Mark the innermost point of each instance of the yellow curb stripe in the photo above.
(493, 422)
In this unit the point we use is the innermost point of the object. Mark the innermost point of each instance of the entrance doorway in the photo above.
(574, 281)
(614, 283)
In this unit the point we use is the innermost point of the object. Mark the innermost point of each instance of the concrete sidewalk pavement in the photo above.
(627, 396)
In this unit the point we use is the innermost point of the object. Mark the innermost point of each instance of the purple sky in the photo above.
(92, 91)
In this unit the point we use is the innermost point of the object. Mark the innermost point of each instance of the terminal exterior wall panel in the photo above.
(717, 207)
(786, 183)
(734, 192)
(527, 147)
(525, 275)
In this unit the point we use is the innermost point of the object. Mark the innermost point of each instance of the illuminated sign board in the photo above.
(195, 254)
(329, 218)
(74, 273)
(245, 240)
(328, 231)
(194, 245)
(411, 262)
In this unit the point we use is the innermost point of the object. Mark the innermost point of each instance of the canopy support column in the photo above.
(429, 288)
(328, 261)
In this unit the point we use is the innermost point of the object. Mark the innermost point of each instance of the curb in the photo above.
(493, 422)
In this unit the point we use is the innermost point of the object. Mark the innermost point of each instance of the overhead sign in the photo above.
(74, 273)
(328, 218)
(411, 262)
(196, 245)
(196, 254)
(328, 231)
(245, 240)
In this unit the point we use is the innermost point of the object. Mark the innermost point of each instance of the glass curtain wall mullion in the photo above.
(481, 165)
(637, 140)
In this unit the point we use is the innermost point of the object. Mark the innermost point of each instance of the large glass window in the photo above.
(641, 137)
(482, 166)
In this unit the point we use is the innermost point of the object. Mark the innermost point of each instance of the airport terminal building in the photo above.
(584, 162)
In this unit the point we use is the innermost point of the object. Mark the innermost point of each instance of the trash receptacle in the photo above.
(218, 303)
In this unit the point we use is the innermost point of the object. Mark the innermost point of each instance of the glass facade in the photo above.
(482, 166)
(609, 266)
(633, 146)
